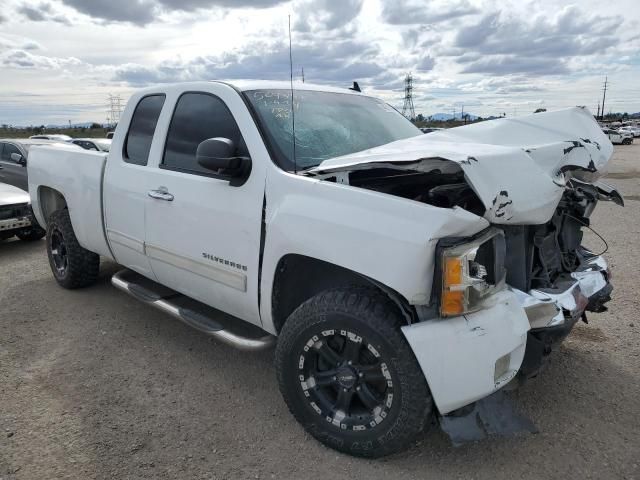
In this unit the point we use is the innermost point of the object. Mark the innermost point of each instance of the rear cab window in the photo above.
(141, 129)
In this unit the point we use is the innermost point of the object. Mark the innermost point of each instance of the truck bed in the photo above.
(77, 176)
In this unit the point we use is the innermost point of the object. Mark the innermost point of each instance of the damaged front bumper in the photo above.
(16, 223)
(553, 313)
(469, 357)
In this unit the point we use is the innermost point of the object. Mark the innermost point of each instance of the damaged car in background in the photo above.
(403, 277)
(16, 217)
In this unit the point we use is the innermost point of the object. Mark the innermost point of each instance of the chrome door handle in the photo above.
(161, 194)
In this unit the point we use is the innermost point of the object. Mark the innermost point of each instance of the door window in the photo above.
(141, 129)
(8, 150)
(197, 117)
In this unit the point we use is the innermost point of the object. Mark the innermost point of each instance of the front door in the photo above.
(202, 234)
(11, 171)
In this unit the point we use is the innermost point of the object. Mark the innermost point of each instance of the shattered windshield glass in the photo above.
(327, 125)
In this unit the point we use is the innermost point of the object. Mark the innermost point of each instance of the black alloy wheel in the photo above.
(58, 252)
(345, 380)
(349, 376)
(72, 265)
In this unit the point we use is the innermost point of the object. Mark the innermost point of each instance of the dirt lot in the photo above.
(94, 384)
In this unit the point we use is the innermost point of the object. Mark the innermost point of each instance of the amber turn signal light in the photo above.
(452, 301)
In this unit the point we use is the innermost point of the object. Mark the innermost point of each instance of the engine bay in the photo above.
(538, 256)
(434, 187)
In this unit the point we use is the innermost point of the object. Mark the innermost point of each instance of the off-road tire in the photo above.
(82, 266)
(31, 234)
(368, 313)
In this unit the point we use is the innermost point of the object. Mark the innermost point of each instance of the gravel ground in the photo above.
(94, 384)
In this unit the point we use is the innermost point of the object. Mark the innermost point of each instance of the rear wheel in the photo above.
(72, 265)
(348, 375)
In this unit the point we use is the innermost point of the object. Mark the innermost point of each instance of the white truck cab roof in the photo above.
(247, 85)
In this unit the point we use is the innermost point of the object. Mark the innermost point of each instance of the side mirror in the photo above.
(218, 154)
(16, 157)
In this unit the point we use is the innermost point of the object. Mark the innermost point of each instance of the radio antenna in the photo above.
(293, 113)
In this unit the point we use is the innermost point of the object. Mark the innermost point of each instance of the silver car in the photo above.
(96, 144)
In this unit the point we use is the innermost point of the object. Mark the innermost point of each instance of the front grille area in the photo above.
(540, 256)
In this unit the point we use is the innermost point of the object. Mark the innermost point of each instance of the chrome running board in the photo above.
(190, 312)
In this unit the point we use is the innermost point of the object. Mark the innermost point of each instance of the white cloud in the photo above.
(24, 59)
(483, 53)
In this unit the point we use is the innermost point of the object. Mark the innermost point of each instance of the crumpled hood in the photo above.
(518, 167)
(10, 195)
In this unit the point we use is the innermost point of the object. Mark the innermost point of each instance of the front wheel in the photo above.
(72, 265)
(349, 376)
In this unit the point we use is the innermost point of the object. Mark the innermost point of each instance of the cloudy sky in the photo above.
(60, 59)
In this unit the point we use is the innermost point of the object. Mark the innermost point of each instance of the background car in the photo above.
(627, 137)
(97, 144)
(13, 159)
(635, 131)
(16, 216)
(618, 138)
(58, 138)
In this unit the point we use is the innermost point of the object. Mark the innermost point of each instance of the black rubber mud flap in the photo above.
(494, 415)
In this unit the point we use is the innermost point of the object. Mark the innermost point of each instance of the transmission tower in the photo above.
(407, 109)
(604, 95)
(115, 109)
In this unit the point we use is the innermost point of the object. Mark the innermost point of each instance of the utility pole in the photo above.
(604, 94)
(302, 74)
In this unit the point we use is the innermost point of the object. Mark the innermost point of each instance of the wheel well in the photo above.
(50, 200)
(298, 278)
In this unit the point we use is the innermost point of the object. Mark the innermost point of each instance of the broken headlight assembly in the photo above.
(470, 270)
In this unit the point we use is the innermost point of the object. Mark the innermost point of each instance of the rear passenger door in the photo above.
(202, 234)
(127, 181)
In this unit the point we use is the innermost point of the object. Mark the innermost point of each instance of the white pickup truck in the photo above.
(403, 275)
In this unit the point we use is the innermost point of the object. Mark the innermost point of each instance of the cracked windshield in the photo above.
(327, 125)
